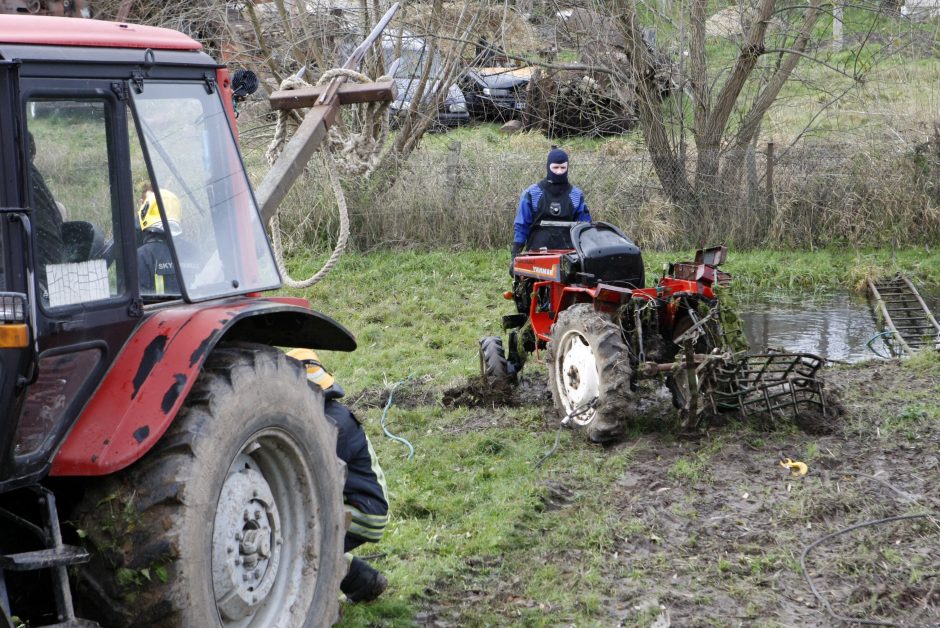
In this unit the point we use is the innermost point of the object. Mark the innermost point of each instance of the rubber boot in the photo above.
(363, 583)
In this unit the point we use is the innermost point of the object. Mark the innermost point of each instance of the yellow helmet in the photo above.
(149, 214)
(315, 371)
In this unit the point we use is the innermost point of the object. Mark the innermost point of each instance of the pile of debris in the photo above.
(565, 103)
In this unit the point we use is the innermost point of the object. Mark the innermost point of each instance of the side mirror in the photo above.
(244, 83)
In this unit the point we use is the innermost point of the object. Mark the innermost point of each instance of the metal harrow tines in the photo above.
(776, 385)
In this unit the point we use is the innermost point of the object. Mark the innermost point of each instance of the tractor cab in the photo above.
(140, 369)
(86, 132)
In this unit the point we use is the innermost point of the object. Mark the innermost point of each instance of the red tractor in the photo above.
(603, 329)
(193, 465)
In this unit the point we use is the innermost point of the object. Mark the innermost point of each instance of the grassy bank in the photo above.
(708, 530)
(422, 313)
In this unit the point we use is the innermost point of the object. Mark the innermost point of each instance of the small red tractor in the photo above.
(159, 455)
(603, 329)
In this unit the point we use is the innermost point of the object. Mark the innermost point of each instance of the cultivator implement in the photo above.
(774, 385)
(906, 321)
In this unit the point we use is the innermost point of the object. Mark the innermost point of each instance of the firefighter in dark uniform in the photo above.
(551, 199)
(365, 493)
(155, 269)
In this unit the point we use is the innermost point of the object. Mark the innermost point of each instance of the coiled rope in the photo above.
(347, 152)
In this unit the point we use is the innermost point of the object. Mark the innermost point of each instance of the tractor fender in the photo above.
(150, 378)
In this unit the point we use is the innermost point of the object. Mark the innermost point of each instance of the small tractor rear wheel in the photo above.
(589, 364)
(678, 383)
(235, 517)
(495, 368)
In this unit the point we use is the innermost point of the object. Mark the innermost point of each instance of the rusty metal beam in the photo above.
(348, 94)
(312, 131)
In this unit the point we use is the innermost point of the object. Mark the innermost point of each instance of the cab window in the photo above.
(72, 199)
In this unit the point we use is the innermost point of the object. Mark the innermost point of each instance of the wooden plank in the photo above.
(348, 93)
(293, 160)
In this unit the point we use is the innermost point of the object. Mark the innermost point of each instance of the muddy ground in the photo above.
(716, 527)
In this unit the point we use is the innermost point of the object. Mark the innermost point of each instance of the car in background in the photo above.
(496, 93)
(405, 57)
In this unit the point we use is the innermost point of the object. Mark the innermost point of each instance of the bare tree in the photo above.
(701, 133)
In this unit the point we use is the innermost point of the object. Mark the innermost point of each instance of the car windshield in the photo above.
(215, 228)
(412, 65)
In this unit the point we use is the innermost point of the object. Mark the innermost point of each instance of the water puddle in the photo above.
(836, 326)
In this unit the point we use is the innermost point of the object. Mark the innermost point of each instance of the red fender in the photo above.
(145, 387)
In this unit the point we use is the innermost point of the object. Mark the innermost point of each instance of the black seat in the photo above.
(606, 254)
(551, 234)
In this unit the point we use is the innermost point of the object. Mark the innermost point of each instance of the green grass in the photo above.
(479, 535)
(469, 506)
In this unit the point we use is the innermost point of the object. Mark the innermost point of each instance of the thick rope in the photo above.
(358, 155)
(338, 250)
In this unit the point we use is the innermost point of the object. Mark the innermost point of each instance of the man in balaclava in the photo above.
(553, 199)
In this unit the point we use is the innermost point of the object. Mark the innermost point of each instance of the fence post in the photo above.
(770, 177)
(838, 15)
(453, 170)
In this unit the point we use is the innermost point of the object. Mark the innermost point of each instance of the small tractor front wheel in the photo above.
(494, 367)
(235, 518)
(589, 369)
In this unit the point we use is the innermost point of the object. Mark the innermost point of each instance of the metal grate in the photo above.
(775, 385)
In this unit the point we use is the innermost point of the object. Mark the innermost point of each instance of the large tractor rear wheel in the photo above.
(235, 518)
(589, 369)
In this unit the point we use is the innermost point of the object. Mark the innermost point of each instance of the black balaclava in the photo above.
(557, 156)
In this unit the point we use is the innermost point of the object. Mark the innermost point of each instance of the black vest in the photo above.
(554, 205)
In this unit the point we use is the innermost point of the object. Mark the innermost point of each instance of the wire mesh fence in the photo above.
(860, 193)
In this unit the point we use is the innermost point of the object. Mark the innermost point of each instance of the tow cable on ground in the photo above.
(883, 334)
(388, 404)
(819, 596)
(565, 421)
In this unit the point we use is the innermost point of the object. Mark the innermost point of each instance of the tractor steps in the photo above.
(44, 559)
(907, 323)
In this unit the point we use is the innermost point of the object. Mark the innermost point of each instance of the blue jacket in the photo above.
(528, 206)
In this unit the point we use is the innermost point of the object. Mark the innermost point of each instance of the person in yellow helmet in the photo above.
(365, 493)
(155, 269)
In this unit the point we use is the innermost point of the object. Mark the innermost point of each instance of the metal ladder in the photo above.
(908, 324)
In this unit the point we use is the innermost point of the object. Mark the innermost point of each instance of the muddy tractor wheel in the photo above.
(678, 384)
(235, 518)
(589, 371)
(495, 368)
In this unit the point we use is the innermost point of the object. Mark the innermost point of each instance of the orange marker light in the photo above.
(508, 295)
(14, 336)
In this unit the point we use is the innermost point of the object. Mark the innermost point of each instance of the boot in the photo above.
(363, 583)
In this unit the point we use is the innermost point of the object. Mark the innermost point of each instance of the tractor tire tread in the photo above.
(495, 366)
(615, 396)
(148, 498)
